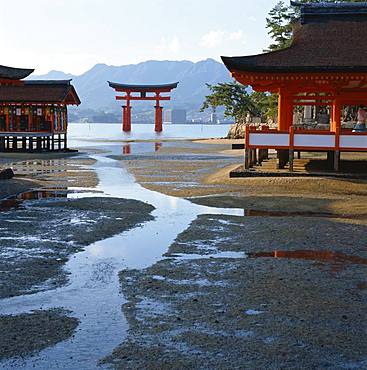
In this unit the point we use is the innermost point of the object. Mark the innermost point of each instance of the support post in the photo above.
(291, 148)
(336, 115)
(7, 120)
(283, 158)
(336, 127)
(39, 144)
(247, 149)
(337, 150)
(30, 118)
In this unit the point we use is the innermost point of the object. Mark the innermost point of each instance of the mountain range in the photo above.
(96, 95)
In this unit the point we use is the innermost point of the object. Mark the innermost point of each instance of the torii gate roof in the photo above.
(143, 88)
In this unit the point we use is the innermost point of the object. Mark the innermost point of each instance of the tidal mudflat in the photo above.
(250, 273)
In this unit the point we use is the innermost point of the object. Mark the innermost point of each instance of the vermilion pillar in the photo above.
(158, 115)
(285, 112)
(158, 118)
(126, 124)
(336, 115)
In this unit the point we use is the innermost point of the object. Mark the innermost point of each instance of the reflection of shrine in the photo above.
(325, 66)
(16, 201)
(33, 114)
(146, 92)
(336, 260)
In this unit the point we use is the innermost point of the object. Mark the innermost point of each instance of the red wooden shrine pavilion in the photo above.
(146, 92)
(326, 65)
(33, 113)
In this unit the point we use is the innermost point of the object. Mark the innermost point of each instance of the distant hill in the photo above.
(95, 93)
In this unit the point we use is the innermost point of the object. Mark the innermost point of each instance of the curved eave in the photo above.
(137, 88)
(10, 73)
(246, 64)
(48, 82)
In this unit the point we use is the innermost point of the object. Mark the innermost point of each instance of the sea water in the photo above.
(82, 134)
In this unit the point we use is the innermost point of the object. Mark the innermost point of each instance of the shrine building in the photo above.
(325, 66)
(33, 113)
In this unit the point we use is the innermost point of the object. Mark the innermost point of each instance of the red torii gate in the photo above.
(143, 90)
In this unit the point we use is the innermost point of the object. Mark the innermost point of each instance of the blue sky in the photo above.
(74, 35)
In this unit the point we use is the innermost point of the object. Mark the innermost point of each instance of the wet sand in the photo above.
(40, 230)
(221, 299)
(280, 289)
(262, 290)
(27, 334)
(202, 176)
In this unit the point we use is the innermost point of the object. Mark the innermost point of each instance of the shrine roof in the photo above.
(10, 73)
(146, 88)
(327, 38)
(40, 91)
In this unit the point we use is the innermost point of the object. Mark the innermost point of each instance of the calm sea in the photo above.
(84, 134)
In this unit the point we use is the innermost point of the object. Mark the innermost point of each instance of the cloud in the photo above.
(172, 45)
(217, 38)
(212, 39)
(236, 35)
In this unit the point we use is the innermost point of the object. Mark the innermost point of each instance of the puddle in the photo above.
(259, 213)
(93, 293)
(253, 312)
(224, 255)
(336, 260)
(132, 148)
(16, 201)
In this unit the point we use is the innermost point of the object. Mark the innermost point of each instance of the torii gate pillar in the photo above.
(126, 118)
(158, 118)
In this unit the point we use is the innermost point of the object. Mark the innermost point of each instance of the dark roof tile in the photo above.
(40, 92)
(10, 73)
(142, 87)
(327, 45)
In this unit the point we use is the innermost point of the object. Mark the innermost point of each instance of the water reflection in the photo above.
(260, 213)
(16, 201)
(40, 166)
(337, 260)
(127, 149)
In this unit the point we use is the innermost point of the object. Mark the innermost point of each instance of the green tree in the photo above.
(237, 102)
(233, 97)
(279, 26)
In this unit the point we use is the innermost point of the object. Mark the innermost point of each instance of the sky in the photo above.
(74, 35)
